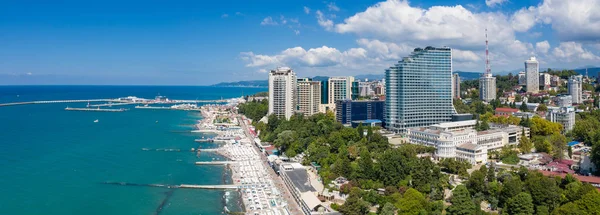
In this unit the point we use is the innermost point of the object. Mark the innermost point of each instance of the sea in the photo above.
(54, 161)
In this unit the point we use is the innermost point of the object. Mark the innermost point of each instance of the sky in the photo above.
(206, 42)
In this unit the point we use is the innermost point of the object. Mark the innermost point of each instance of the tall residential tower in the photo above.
(532, 74)
(419, 89)
(455, 86)
(308, 96)
(282, 92)
(575, 88)
(487, 82)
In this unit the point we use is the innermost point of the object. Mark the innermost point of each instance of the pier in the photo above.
(154, 108)
(215, 162)
(224, 186)
(96, 109)
(112, 102)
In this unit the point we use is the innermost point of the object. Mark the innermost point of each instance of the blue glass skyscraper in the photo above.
(419, 90)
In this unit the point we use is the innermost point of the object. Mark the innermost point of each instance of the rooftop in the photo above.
(299, 177)
(470, 146)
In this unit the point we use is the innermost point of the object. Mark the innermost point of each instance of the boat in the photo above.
(95, 121)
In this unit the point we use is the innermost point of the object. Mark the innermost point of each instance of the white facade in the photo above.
(445, 142)
(576, 88)
(545, 80)
(564, 101)
(455, 86)
(340, 88)
(565, 116)
(532, 74)
(472, 153)
(492, 139)
(282, 92)
(487, 87)
(309, 96)
(522, 78)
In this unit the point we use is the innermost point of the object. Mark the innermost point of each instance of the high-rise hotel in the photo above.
(532, 74)
(308, 96)
(419, 90)
(282, 92)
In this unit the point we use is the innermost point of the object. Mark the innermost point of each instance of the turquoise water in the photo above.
(55, 161)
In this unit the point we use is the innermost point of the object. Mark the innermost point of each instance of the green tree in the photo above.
(510, 188)
(462, 204)
(542, 144)
(523, 107)
(412, 203)
(354, 205)
(544, 127)
(589, 203)
(570, 151)
(543, 190)
(568, 209)
(388, 209)
(525, 144)
(542, 108)
(360, 130)
(521, 204)
(365, 165)
(476, 183)
(559, 145)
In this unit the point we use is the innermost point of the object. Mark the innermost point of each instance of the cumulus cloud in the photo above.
(572, 51)
(296, 31)
(523, 19)
(324, 22)
(306, 10)
(315, 57)
(465, 56)
(225, 15)
(332, 7)
(396, 20)
(283, 20)
(384, 50)
(542, 47)
(268, 21)
(493, 3)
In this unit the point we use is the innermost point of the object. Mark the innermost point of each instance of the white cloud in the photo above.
(294, 20)
(542, 47)
(315, 57)
(262, 71)
(283, 20)
(268, 21)
(324, 22)
(225, 15)
(572, 51)
(239, 14)
(332, 7)
(465, 56)
(523, 19)
(493, 3)
(385, 50)
(306, 10)
(396, 20)
(574, 20)
(296, 31)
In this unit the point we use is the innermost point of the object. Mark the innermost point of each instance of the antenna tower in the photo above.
(488, 70)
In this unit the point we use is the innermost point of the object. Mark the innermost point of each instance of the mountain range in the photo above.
(464, 75)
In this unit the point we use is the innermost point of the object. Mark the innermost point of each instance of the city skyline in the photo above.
(199, 43)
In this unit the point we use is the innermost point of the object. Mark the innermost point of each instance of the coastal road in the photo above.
(293, 207)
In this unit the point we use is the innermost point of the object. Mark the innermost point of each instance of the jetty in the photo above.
(96, 109)
(215, 162)
(224, 186)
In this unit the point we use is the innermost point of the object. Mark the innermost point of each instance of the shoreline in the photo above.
(249, 171)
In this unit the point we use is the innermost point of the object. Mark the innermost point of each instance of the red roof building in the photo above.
(593, 180)
(505, 111)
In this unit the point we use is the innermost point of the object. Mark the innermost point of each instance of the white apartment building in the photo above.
(487, 87)
(282, 92)
(492, 139)
(522, 78)
(545, 80)
(472, 153)
(565, 116)
(340, 88)
(564, 101)
(308, 96)
(444, 141)
(576, 88)
(532, 74)
(455, 86)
